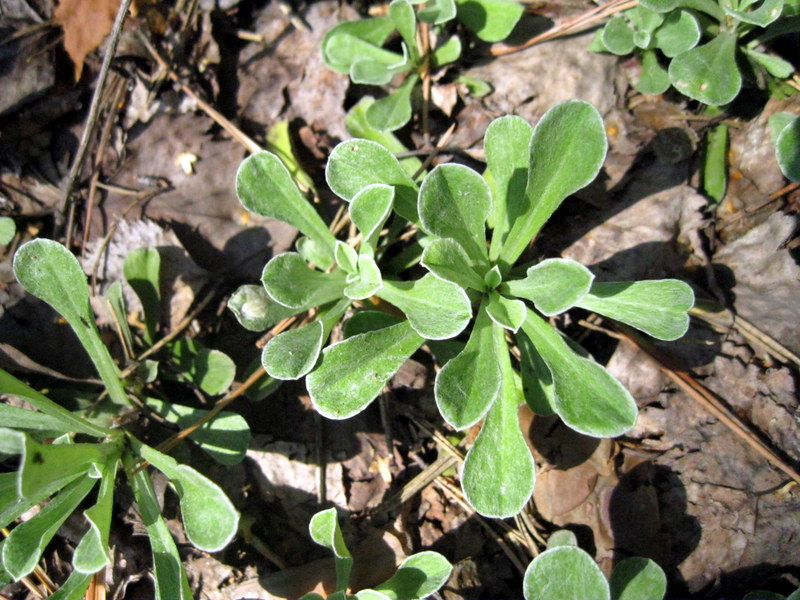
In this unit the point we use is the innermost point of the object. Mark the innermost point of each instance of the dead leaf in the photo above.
(86, 23)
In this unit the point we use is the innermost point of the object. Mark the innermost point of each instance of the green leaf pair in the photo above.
(565, 572)
(670, 33)
(417, 577)
(356, 48)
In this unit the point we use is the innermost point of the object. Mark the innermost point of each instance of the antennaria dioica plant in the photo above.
(473, 277)
(65, 457)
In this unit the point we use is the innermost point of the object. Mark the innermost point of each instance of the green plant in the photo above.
(418, 576)
(356, 48)
(530, 172)
(565, 572)
(786, 137)
(732, 33)
(65, 456)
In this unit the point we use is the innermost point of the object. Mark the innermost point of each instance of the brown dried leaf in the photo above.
(86, 23)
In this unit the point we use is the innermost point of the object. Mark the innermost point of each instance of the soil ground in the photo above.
(682, 487)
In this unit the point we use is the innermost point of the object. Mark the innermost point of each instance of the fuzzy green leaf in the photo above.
(564, 573)
(508, 149)
(8, 229)
(209, 517)
(553, 285)
(445, 258)
(715, 178)
(446, 53)
(367, 282)
(142, 270)
(468, 384)
(255, 310)
(369, 210)
(568, 147)
(506, 312)
(537, 380)
(346, 257)
(657, 307)
(588, 398)
(438, 12)
(289, 281)
(435, 308)
(637, 579)
(324, 530)
(351, 41)
(562, 537)
(170, 578)
(313, 253)
(491, 20)
(369, 320)
(50, 272)
(680, 32)
(769, 11)
(293, 353)
(74, 588)
(418, 576)
(24, 546)
(617, 36)
(499, 475)
(32, 420)
(355, 164)
(654, 78)
(787, 149)
(393, 111)
(352, 373)
(279, 141)
(265, 187)
(454, 202)
(373, 72)
(225, 438)
(91, 554)
(402, 14)
(708, 73)
(774, 65)
(212, 371)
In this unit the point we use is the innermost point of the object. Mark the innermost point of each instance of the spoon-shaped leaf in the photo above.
(209, 517)
(438, 12)
(567, 150)
(588, 398)
(324, 530)
(637, 578)
(537, 380)
(787, 149)
(91, 554)
(564, 573)
(356, 164)
(454, 202)
(491, 20)
(509, 313)
(468, 384)
(211, 370)
(657, 307)
(369, 210)
(350, 41)
(142, 270)
(437, 309)
(50, 272)
(26, 542)
(445, 258)
(708, 73)
(617, 36)
(679, 33)
(554, 285)
(393, 111)
(265, 187)
(508, 147)
(290, 282)
(170, 578)
(654, 78)
(402, 14)
(352, 373)
(418, 576)
(499, 475)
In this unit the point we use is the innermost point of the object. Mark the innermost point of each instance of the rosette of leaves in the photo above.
(530, 172)
(698, 46)
(566, 572)
(417, 577)
(328, 276)
(65, 457)
(359, 48)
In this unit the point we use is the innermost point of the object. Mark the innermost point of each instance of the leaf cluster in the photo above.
(700, 46)
(359, 48)
(511, 354)
(71, 459)
(417, 577)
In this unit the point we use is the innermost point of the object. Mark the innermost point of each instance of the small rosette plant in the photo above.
(417, 577)
(697, 46)
(357, 48)
(530, 172)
